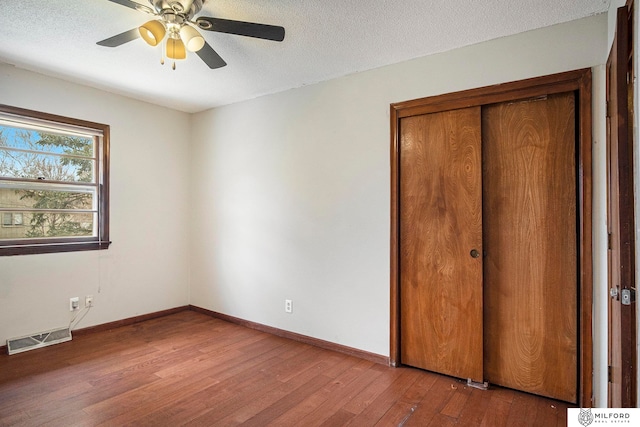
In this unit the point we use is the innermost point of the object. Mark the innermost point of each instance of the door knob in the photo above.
(474, 253)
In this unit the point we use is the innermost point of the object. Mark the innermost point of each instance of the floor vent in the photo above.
(43, 339)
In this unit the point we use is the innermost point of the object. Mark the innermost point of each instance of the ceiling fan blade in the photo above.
(121, 38)
(240, 28)
(133, 5)
(211, 57)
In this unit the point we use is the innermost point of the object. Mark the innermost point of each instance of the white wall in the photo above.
(285, 196)
(291, 191)
(146, 268)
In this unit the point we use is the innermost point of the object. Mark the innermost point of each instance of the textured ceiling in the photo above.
(324, 39)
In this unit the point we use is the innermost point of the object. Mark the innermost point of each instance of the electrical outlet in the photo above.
(88, 301)
(288, 306)
(74, 303)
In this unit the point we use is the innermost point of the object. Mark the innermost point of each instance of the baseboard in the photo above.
(118, 323)
(327, 345)
(128, 321)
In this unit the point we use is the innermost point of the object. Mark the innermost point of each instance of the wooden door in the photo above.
(614, 399)
(440, 224)
(530, 235)
(556, 195)
(620, 217)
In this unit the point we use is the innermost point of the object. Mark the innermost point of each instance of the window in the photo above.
(54, 183)
(12, 219)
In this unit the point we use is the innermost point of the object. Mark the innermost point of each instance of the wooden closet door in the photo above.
(530, 237)
(440, 224)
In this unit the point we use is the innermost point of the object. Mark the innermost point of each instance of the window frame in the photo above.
(68, 244)
(12, 223)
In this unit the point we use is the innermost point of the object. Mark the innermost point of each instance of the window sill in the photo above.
(32, 249)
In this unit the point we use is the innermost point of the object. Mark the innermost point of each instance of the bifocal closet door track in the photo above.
(441, 195)
(491, 270)
(530, 234)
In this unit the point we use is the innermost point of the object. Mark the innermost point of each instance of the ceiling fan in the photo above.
(173, 27)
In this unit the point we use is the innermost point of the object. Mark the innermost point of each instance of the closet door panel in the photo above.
(530, 236)
(440, 224)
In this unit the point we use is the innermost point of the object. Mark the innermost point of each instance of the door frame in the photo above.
(622, 381)
(579, 82)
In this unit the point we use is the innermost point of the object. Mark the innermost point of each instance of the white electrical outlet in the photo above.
(88, 301)
(288, 306)
(74, 303)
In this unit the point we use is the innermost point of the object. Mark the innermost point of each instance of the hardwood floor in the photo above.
(192, 369)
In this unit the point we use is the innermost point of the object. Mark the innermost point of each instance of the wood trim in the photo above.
(68, 244)
(394, 322)
(53, 248)
(53, 117)
(128, 321)
(105, 200)
(627, 193)
(327, 345)
(546, 85)
(585, 210)
(578, 81)
(371, 357)
(622, 350)
(626, 231)
(211, 372)
(119, 323)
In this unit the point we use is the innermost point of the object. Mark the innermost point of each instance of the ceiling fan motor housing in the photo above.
(186, 8)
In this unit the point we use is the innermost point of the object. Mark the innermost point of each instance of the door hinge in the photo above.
(609, 241)
(608, 109)
(628, 296)
(609, 373)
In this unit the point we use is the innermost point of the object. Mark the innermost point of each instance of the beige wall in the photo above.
(146, 268)
(281, 197)
(291, 191)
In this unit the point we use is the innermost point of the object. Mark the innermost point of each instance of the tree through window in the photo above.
(54, 179)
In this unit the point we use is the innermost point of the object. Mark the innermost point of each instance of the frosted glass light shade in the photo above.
(175, 49)
(191, 38)
(152, 32)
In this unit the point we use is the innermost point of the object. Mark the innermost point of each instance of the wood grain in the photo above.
(579, 82)
(440, 223)
(503, 92)
(530, 232)
(614, 356)
(188, 368)
(376, 358)
(620, 214)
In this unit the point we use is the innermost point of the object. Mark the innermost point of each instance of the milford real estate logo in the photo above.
(585, 417)
(577, 417)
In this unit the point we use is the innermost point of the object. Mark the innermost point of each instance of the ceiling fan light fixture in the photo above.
(191, 38)
(152, 32)
(175, 29)
(175, 49)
